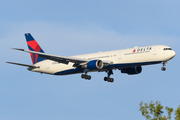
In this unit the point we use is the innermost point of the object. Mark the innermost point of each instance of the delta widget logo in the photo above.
(142, 49)
(134, 51)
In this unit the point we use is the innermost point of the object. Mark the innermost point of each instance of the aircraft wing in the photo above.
(60, 59)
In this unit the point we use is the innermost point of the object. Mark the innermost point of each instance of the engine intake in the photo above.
(132, 70)
(94, 64)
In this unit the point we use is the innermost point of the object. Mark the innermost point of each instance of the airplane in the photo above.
(129, 61)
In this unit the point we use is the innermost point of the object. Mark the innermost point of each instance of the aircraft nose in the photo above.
(173, 53)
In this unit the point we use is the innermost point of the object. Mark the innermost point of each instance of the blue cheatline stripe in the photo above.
(70, 71)
(114, 66)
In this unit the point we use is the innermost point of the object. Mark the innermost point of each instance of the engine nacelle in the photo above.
(94, 64)
(132, 70)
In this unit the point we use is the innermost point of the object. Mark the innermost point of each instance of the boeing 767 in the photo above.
(129, 61)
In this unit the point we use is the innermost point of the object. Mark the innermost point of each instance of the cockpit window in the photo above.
(167, 48)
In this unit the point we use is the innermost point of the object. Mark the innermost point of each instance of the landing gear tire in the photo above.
(163, 69)
(83, 76)
(112, 80)
(108, 79)
(87, 77)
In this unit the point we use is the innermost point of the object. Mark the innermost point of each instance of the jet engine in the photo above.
(94, 64)
(132, 70)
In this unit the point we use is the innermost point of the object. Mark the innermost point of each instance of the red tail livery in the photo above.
(33, 46)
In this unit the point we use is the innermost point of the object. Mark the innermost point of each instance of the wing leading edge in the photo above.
(60, 59)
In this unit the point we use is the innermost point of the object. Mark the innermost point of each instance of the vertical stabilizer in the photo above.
(33, 46)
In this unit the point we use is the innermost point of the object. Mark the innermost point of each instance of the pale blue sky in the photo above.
(68, 28)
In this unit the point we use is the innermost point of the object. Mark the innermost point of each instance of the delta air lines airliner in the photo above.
(129, 61)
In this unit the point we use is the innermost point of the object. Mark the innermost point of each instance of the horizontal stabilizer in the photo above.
(18, 49)
(31, 66)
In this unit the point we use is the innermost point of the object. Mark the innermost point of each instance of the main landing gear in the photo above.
(108, 79)
(163, 68)
(85, 76)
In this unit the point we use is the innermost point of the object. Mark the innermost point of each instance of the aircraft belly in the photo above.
(114, 66)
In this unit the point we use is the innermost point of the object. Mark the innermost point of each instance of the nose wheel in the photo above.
(163, 68)
(108, 79)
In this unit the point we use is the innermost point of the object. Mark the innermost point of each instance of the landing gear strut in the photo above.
(108, 79)
(163, 68)
(85, 76)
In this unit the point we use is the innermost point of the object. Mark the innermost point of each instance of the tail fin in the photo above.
(33, 46)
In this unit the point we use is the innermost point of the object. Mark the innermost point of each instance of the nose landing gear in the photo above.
(108, 79)
(163, 68)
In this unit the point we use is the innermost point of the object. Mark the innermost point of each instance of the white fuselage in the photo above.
(119, 59)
